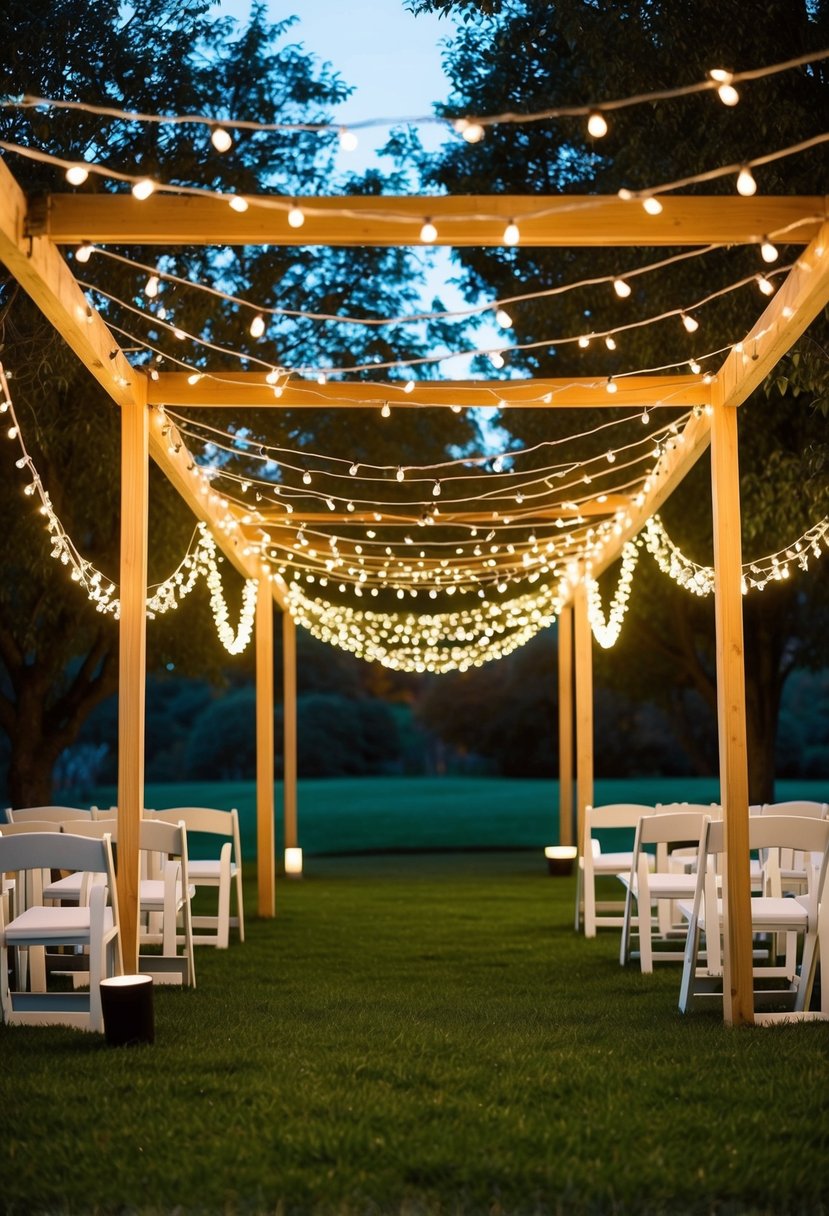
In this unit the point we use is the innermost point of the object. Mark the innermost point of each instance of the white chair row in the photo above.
(222, 873)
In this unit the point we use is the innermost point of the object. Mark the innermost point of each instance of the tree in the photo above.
(576, 51)
(58, 658)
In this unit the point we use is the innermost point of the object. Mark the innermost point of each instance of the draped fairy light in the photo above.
(438, 642)
(699, 580)
(200, 561)
(606, 630)
(470, 128)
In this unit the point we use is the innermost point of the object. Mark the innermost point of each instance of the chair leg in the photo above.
(589, 904)
(624, 944)
(223, 920)
(579, 887)
(643, 919)
(239, 905)
(689, 967)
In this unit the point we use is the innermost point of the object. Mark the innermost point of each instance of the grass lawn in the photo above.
(419, 1035)
(357, 814)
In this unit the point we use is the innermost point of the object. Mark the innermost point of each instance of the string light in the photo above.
(512, 234)
(143, 188)
(296, 216)
(768, 251)
(746, 185)
(221, 139)
(428, 233)
(238, 203)
(691, 324)
(84, 252)
(76, 175)
(348, 140)
(606, 630)
(621, 288)
(257, 326)
(765, 285)
(652, 205)
(597, 124)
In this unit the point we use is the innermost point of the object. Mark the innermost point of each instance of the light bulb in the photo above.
(296, 216)
(436, 489)
(76, 175)
(354, 470)
(496, 359)
(151, 286)
(143, 189)
(694, 366)
(765, 285)
(195, 377)
(511, 234)
(652, 205)
(257, 326)
(348, 140)
(746, 185)
(386, 410)
(428, 232)
(503, 318)
(84, 252)
(321, 378)
(584, 342)
(621, 288)
(597, 125)
(409, 386)
(768, 251)
(473, 133)
(610, 342)
(645, 416)
(238, 203)
(400, 474)
(611, 457)
(306, 477)
(221, 139)
(611, 385)
(272, 376)
(690, 323)
(728, 94)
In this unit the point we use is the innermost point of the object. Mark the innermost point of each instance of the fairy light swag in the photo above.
(200, 561)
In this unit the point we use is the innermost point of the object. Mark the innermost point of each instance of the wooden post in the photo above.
(265, 870)
(289, 728)
(132, 661)
(738, 987)
(565, 725)
(584, 705)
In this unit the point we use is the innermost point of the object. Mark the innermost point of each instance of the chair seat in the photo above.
(68, 888)
(665, 885)
(612, 863)
(39, 923)
(767, 913)
(205, 870)
(151, 894)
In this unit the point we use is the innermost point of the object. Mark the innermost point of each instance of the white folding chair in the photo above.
(791, 864)
(805, 916)
(164, 893)
(656, 882)
(593, 864)
(92, 925)
(48, 814)
(222, 872)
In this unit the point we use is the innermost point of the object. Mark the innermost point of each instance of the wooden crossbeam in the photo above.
(251, 389)
(460, 220)
(525, 514)
(800, 298)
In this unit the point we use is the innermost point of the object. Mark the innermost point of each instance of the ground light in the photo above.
(560, 858)
(293, 863)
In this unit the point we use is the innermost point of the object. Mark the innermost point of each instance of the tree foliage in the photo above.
(59, 658)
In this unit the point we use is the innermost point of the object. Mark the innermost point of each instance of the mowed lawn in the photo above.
(419, 1035)
(382, 814)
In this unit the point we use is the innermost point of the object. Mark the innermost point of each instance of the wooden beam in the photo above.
(738, 984)
(584, 706)
(250, 389)
(265, 849)
(461, 220)
(803, 295)
(274, 521)
(289, 721)
(41, 271)
(565, 725)
(132, 662)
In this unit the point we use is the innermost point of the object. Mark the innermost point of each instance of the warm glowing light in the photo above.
(76, 175)
(238, 203)
(503, 318)
(221, 139)
(597, 125)
(348, 140)
(746, 185)
(84, 252)
(296, 217)
(652, 205)
(143, 189)
(690, 323)
(293, 862)
(428, 232)
(257, 326)
(621, 288)
(768, 251)
(511, 234)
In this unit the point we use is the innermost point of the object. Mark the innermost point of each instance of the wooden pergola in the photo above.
(30, 240)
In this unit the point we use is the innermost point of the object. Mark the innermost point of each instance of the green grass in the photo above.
(397, 813)
(419, 1036)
